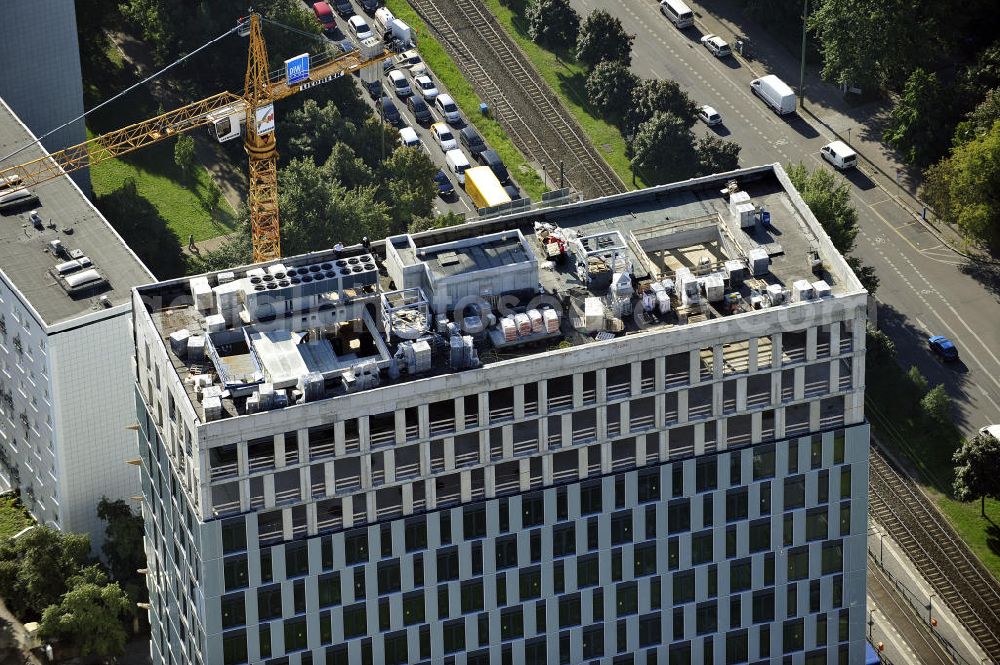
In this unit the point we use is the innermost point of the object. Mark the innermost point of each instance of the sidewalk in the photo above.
(824, 104)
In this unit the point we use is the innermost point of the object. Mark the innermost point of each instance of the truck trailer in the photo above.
(483, 187)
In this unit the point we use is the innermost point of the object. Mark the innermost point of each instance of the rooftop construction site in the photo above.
(316, 326)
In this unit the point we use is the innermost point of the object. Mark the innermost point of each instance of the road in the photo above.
(925, 287)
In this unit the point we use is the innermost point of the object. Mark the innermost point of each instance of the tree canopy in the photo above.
(35, 567)
(664, 149)
(976, 464)
(553, 23)
(602, 37)
(662, 95)
(717, 155)
(963, 188)
(610, 86)
(921, 121)
(89, 616)
(829, 198)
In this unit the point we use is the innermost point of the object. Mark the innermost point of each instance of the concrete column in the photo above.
(372, 511)
(717, 368)
(659, 373)
(741, 394)
(601, 386)
(430, 494)
(519, 402)
(399, 417)
(490, 481)
(524, 469)
(407, 492)
(800, 383)
(834, 376)
(659, 409)
(465, 485)
(242, 458)
(776, 388)
(625, 418)
(567, 430)
(699, 438)
(601, 423)
(755, 426)
(814, 414)
(424, 421)
(752, 354)
(449, 453)
(694, 366)
(663, 443)
(286, 523)
(484, 409)
(779, 423)
(364, 434)
(311, 526)
(279, 450)
(835, 338)
(339, 438)
(577, 390)
(269, 491)
(484, 446)
(459, 414)
(582, 461)
(682, 405)
(811, 342)
(425, 457)
(507, 432)
(543, 433)
(636, 384)
(244, 488)
(365, 467)
(329, 478)
(717, 399)
(543, 398)
(776, 350)
(546, 470)
(606, 457)
(721, 434)
(389, 463)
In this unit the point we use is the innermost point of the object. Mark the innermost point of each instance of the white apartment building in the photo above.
(629, 430)
(65, 348)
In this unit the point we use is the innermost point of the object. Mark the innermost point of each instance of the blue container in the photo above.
(765, 217)
(484, 108)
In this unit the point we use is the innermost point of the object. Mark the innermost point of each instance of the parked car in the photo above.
(443, 136)
(324, 14)
(343, 8)
(491, 159)
(374, 88)
(369, 6)
(513, 192)
(448, 109)
(716, 45)
(943, 348)
(445, 188)
(408, 138)
(426, 87)
(399, 84)
(418, 107)
(709, 115)
(409, 60)
(346, 46)
(359, 27)
(472, 141)
(389, 112)
(840, 155)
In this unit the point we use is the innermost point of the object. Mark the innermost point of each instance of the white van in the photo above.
(775, 94)
(840, 155)
(457, 164)
(383, 20)
(678, 13)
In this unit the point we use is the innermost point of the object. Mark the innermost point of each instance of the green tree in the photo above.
(184, 155)
(90, 616)
(610, 85)
(665, 96)
(435, 222)
(408, 186)
(859, 46)
(917, 379)
(865, 274)
(717, 156)
(664, 149)
(553, 23)
(880, 350)
(311, 131)
(374, 141)
(936, 405)
(921, 122)
(346, 168)
(35, 567)
(980, 120)
(829, 198)
(963, 188)
(976, 464)
(123, 546)
(602, 37)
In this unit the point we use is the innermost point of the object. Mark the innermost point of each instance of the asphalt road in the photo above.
(925, 287)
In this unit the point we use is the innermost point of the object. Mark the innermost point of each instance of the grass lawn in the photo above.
(568, 80)
(444, 69)
(13, 517)
(184, 206)
(897, 424)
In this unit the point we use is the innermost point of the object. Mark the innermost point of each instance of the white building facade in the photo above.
(689, 491)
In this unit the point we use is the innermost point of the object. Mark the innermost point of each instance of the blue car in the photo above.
(943, 348)
(445, 188)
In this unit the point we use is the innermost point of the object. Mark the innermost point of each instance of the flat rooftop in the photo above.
(330, 323)
(26, 257)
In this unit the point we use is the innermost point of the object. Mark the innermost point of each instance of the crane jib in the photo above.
(325, 79)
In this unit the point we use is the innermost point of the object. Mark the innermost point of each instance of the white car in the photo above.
(399, 84)
(412, 61)
(709, 116)
(716, 45)
(443, 136)
(359, 28)
(426, 87)
(448, 109)
(408, 137)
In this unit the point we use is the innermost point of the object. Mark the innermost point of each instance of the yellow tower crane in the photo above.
(224, 113)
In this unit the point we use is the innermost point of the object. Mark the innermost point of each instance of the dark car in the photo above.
(346, 46)
(389, 112)
(472, 141)
(369, 6)
(374, 88)
(418, 107)
(445, 188)
(343, 7)
(513, 192)
(491, 159)
(943, 348)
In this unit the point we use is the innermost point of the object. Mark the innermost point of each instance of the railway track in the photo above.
(520, 101)
(940, 556)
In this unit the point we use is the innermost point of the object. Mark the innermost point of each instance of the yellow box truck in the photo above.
(483, 188)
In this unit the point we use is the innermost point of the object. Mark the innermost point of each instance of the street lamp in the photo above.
(802, 70)
(848, 136)
(930, 608)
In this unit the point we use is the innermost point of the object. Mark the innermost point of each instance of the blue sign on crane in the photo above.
(297, 69)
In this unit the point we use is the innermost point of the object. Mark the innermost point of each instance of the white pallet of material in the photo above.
(537, 324)
(509, 329)
(551, 318)
(523, 324)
